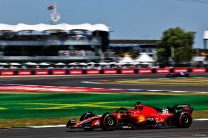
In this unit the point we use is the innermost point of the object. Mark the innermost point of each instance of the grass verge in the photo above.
(29, 109)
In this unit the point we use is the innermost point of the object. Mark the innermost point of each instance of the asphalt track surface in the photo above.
(77, 81)
(198, 128)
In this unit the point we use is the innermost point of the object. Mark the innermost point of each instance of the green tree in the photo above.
(176, 46)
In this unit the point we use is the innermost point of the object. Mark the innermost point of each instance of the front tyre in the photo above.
(87, 126)
(122, 110)
(184, 120)
(70, 123)
(108, 122)
(86, 116)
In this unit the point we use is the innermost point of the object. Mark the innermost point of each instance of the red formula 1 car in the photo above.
(141, 116)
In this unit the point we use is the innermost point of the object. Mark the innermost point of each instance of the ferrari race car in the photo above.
(140, 116)
(178, 74)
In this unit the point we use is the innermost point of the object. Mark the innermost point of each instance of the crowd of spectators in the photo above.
(81, 53)
(47, 36)
(91, 65)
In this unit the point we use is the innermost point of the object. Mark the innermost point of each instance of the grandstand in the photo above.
(133, 47)
(61, 42)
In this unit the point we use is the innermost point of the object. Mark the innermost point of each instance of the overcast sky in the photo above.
(128, 19)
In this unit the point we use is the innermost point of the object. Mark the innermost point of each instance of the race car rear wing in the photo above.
(184, 107)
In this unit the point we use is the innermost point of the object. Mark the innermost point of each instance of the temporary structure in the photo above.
(112, 63)
(103, 63)
(60, 64)
(83, 64)
(91, 63)
(15, 64)
(144, 58)
(73, 64)
(4, 64)
(31, 63)
(199, 59)
(126, 60)
(44, 64)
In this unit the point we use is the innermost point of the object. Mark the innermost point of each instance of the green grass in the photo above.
(59, 105)
(164, 81)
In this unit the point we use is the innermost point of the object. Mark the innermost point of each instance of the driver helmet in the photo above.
(139, 106)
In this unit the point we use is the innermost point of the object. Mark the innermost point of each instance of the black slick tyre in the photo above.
(86, 116)
(108, 122)
(184, 120)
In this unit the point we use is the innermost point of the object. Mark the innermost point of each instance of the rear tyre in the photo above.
(184, 120)
(108, 122)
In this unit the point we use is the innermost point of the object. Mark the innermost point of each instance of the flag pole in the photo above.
(55, 17)
(54, 11)
(55, 8)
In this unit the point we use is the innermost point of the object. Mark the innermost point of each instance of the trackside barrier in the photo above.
(145, 71)
(162, 71)
(75, 72)
(180, 70)
(41, 72)
(127, 71)
(110, 71)
(198, 70)
(58, 72)
(7, 72)
(92, 71)
(11, 72)
(24, 72)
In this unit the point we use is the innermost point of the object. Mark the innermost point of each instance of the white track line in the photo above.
(47, 126)
(90, 82)
(180, 91)
(158, 90)
(201, 119)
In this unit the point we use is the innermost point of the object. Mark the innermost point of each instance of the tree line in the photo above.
(175, 47)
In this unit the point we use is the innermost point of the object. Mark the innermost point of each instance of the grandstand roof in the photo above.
(129, 41)
(47, 27)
